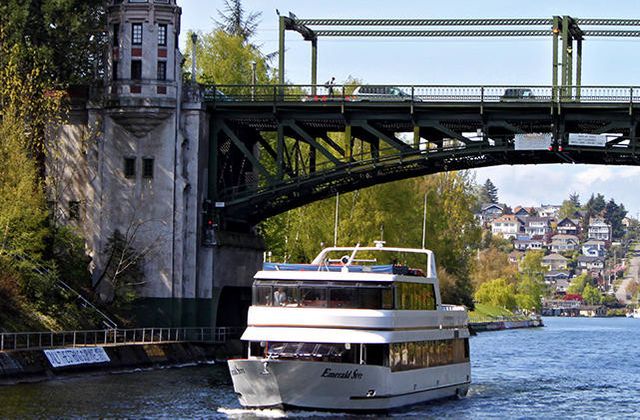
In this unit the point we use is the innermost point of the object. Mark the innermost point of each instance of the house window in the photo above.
(116, 34)
(136, 33)
(129, 167)
(162, 35)
(162, 70)
(114, 76)
(136, 69)
(147, 168)
(74, 210)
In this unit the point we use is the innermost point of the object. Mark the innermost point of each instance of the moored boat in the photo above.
(351, 333)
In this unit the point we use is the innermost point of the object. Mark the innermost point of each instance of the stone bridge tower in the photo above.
(138, 157)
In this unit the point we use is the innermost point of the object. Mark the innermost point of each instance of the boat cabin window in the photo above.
(346, 295)
(415, 296)
(423, 354)
(324, 352)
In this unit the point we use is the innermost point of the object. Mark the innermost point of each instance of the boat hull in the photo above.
(332, 386)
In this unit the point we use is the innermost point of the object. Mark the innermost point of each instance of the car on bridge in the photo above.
(517, 95)
(380, 93)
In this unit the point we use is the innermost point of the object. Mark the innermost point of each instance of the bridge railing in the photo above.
(110, 337)
(418, 93)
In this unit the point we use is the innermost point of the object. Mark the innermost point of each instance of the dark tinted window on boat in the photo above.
(322, 295)
(424, 354)
(415, 296)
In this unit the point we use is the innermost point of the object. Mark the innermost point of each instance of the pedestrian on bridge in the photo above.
(329, 85)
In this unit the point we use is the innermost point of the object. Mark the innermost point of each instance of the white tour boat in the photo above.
(350, 334)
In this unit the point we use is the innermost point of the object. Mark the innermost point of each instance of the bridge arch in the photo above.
(275, 153)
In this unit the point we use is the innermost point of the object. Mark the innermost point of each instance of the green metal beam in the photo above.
(428, 22)
(212, 192)
(309, 139)
(246, 152)
(281, 50)
(387, 138)
(434, 33)
(554, 74)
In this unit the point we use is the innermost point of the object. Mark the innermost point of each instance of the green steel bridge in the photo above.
(274, 148)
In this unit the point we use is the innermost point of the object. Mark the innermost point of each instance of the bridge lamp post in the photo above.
(253, 80)
(194, 41)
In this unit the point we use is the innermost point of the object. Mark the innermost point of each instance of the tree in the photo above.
(568, 209)
(235, 20)
(591, 295)
(574, 198)
(578, 284)
(491, 264)
(497, 292)
(225, 59)
(68, 35)
(595, 206)
(530, 287)
(489, 192)
(614, 215)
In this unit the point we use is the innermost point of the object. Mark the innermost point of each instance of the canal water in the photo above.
(575, 367)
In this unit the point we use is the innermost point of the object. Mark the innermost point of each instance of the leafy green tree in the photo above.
(490, 264)
(595, 206)
(530, 287)
(497, 292)
(579, 283)
(68, 35)
(568, 209)
(591, 295)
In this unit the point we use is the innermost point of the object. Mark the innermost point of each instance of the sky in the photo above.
(460, 61)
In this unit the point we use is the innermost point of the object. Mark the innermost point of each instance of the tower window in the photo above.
(74, 210)
(162, 70)
(116, 34)
(136, 69)
(136, 33)
(147, 167)
(129, 167)
(162, 35)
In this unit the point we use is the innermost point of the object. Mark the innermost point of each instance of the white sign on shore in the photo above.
(533, 141)
(583, 139)
(76, 356)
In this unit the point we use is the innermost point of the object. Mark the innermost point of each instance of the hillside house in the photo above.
(491, 211)
(555, 262)
(537, 226)
(564, 243)
(590, 264)
(594, 248)
(508, 226)
(568, 226)
(599, 229)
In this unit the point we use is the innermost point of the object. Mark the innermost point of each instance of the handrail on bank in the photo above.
(110, 337)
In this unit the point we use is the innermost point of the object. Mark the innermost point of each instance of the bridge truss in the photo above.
(566, 29)
(274, 148)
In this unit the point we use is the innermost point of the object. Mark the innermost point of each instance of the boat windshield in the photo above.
(311, 351)
(316, 294)
(345, 295)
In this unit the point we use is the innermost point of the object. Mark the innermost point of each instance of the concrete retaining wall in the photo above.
(33, 365)
(505, 325)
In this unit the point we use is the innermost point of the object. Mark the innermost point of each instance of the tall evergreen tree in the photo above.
(489, 192)
(574, 199)
(614, 214)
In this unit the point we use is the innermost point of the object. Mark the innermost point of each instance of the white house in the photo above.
(508, 226)
(599, 229)
(594, 248)
(564, 243)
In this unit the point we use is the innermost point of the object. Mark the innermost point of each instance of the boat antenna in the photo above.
(335, 223)
(424, 221)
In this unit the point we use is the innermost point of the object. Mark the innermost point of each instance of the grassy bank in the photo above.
(487, 313)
